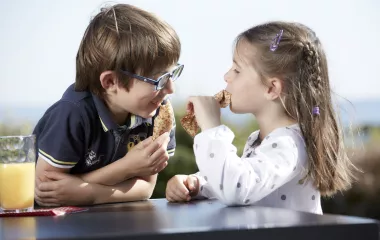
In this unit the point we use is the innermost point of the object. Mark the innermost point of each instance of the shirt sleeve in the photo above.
(60, 135)
(205, 190)
(241, 181)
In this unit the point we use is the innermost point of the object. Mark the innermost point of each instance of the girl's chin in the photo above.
(237, 110)
(232, 108)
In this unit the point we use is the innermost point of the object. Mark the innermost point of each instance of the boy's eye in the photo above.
(236, 71)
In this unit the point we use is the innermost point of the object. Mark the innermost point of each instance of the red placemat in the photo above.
(45, 212)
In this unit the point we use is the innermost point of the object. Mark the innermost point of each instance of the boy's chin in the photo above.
(148, 114)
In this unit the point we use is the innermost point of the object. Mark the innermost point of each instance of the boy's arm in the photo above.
(41, 167)
(60, 137)
(134, 189)
(121, 170)
(111, 174)
(145, 159)
(49, 177)
(65, 189)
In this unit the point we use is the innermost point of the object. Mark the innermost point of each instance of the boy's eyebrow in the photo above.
(158, 72)
(162, 72)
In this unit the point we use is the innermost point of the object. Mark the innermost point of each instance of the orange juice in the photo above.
(17, 185)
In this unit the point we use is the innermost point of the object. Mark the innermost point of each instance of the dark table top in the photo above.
(158, 219)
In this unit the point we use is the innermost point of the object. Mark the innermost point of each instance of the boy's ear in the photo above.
(108, 80)
(275, 87)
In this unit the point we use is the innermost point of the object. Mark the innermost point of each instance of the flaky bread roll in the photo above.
(189, 123)
(164, 120)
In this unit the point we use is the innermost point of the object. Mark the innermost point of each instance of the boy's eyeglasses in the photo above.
(162, 80)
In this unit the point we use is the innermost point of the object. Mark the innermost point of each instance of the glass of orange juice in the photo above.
(17, 171)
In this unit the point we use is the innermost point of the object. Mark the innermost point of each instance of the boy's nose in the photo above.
(169, 87)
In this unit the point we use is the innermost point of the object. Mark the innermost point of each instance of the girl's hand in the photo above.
(206, 110)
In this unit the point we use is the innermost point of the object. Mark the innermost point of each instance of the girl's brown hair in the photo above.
(300, 62)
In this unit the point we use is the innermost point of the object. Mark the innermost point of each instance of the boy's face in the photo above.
(142, 99)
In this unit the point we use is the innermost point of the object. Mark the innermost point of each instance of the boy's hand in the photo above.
(181, 188)
(148, 157)
(63, 189)
(206, 110)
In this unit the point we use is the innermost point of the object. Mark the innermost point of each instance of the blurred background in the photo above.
(39, 40)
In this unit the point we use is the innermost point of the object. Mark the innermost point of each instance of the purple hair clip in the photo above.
(276, 41)
(315, 110)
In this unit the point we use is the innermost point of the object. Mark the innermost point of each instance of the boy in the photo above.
(93, 144)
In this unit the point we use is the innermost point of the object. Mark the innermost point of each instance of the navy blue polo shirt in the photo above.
(78, 132)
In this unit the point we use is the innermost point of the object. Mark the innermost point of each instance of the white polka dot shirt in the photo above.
(268, 174)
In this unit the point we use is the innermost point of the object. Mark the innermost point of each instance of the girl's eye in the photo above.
(236, 71)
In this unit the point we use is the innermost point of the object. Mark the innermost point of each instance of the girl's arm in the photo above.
(239, 181)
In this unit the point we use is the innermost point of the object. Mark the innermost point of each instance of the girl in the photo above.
(280, 75)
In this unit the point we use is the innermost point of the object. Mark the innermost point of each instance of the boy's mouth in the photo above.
(159, 102)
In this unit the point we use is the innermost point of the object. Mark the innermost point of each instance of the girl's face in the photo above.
(244, 81)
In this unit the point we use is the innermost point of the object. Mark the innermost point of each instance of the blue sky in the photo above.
(39, 41)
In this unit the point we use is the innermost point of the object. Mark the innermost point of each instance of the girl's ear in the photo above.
(275, 87)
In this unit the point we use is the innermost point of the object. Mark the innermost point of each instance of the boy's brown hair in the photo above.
(300, 62)
(124, 37)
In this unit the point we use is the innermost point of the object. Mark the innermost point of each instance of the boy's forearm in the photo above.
(134, 189)
(114, 173)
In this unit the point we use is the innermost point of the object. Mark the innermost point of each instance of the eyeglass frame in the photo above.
(153, 81)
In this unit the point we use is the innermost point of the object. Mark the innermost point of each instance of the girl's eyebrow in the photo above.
(236, 63)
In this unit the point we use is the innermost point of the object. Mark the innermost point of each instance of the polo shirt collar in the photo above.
(109, 124)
